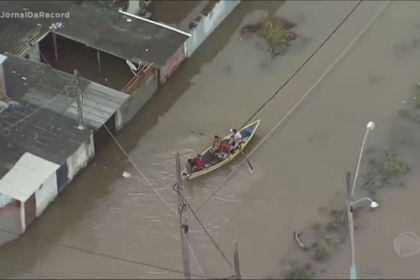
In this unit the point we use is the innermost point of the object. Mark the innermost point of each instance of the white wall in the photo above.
(133, 7)
(46, 194)
(80, 158)
(2, 83)
(207, 24)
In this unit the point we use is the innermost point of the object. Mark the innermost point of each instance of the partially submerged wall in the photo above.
(141, 89)
(172, 65)
(210, 18)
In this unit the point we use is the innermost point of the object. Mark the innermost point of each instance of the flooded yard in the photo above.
(344, 68)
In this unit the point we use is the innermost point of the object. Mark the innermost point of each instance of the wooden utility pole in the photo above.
(236, 261)
(79, 99)
(182, 220)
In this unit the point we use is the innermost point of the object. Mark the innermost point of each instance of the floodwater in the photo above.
(298, 169)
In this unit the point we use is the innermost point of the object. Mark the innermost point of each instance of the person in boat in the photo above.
(236, 139)
(193, 165)
(198, 164)
(188, 167)
(216, 146)
(224, 152)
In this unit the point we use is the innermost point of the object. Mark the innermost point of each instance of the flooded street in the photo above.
(107, 226)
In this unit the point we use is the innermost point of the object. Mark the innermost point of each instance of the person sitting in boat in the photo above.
(236, 139)
(198, 164)
(224, 151)
(188, 167)
(216, 146)
(193, 165)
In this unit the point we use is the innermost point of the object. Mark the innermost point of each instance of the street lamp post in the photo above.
(351, 202)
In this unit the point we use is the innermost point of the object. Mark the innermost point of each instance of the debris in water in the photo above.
(23, 78)
(126, 174)
(275, 31)
(298, 242)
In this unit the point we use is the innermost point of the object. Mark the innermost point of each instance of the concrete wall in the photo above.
(80, 158)
(34, 53)
(10, 218)
(208, 24)
(133, 7)
(139, 98)
(172, 65)
(2, 83)
(46, 194)
(10, 222)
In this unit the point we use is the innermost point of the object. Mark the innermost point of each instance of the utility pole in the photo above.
(79, 100)
(236, 261)
(182, 205)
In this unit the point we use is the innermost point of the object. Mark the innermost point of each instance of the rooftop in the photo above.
(37, 84)
(95, 24)
(17, 34)
(41, 117)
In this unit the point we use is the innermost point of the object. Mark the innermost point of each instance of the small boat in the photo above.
(247, 133)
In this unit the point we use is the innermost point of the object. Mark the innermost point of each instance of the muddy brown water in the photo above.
(298, 169)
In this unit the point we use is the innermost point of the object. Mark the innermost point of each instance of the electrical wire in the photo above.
(123, 259)
(304, 64)
(52, 68)
(37, 110)
(222, 184)
(205, 230)
(132, 162)
(194, 256)
(141, 174)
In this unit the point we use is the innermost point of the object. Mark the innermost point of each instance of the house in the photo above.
(90, 40)
(41, 144)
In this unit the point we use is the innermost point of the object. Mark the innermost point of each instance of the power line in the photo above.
(205, 230)
(193, 254)
(304, 64)
(122, 259)
(52, 68)
(131, 161)
(38, 110)
(119, 145)
(222, 184)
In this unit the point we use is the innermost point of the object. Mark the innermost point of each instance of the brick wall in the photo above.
(172, 65)
(142, 75)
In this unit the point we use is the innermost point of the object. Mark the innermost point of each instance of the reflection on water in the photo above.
(296, 171)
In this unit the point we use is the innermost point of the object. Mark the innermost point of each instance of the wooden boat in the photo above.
(247, 133)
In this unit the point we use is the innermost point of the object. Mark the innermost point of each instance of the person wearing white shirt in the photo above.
(236, 139)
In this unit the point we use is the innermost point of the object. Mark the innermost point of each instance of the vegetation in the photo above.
(298, 272)
(275, 31)
(383, 172)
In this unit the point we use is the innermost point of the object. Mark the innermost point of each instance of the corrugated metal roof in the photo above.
(2, 59)
(17, 36)
(41, 84)
(28, 174)
(99, 105)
